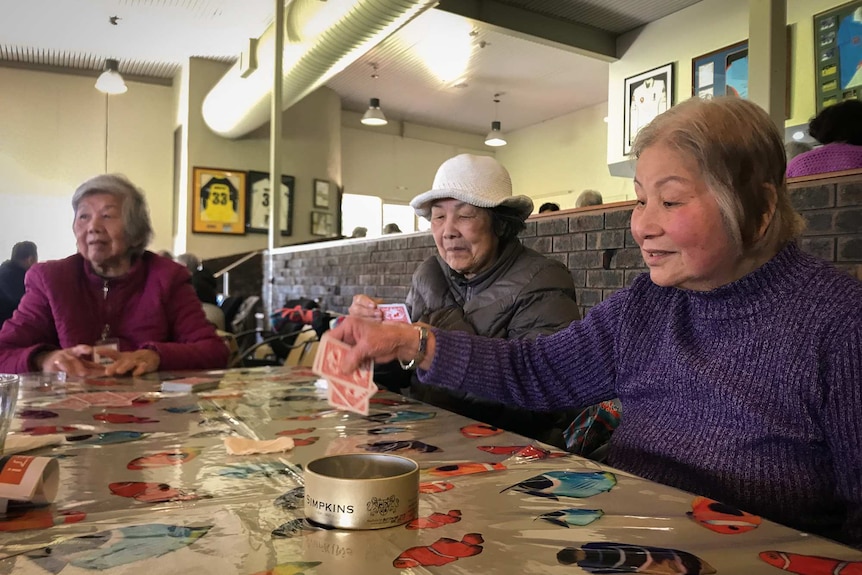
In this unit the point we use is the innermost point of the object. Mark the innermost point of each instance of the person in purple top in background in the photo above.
(839, 129)
(737, 360)
(138, 308)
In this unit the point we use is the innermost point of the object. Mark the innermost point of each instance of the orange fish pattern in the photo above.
(435, 520)
(441, 552)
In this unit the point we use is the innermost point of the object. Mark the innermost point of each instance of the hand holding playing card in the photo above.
(395, 312)
(382, 342)
(347, 391)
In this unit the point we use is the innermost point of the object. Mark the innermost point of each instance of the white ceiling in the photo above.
(539, 78)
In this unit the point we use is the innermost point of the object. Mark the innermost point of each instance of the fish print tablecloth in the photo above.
(148, 487)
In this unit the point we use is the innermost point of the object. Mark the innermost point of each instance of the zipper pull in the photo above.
(106, 331)
(105, 290)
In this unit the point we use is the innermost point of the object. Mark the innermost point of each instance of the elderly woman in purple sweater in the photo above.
(738, 359)
(113, 300)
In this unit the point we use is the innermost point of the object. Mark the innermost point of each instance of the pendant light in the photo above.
(495, 137)
(374, 115)
(111, 82)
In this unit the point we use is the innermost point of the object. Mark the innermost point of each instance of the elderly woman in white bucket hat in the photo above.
(483, 281)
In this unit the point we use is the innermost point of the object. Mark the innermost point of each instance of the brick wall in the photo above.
(594, 243)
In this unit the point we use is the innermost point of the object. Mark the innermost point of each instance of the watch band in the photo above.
(420, 354)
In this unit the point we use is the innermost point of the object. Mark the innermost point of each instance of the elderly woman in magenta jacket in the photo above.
(138, 308)
(737, 360)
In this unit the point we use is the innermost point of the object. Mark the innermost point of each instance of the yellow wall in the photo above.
(398, 161)
(701, 28)
(556, 160)
(311, 148)
(52, 138)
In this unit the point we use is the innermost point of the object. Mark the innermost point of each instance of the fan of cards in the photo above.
(347, 391)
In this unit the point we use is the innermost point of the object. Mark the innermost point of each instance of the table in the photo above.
(149, 488)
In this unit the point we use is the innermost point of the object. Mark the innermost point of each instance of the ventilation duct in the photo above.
(321, 39)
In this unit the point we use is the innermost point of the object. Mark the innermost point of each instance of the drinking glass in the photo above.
(8, 398)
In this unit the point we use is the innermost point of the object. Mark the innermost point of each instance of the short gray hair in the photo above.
(588, 198)
(741, 155)
(136, 215)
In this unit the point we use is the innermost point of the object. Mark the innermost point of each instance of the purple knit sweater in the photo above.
(835, 157)
(750, 394)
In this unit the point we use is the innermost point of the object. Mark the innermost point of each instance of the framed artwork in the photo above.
(321, 223)
(218, 201)
(722, 72)
(838, 54)
(321, 193)
(646, 96)
(259, 199)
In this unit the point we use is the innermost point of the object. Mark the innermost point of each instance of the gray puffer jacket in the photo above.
(523, 295)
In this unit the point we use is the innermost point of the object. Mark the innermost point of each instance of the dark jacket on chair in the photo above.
(11, 288)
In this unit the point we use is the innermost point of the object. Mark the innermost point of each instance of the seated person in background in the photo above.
(549, 207)
(588, 198)
(165, 254)
(484, 282)
(794, 148)
(24, 255)
(205, 287)
(359, 232)
(839, 129)
(391, 229)
(113, 291)
(737, 360)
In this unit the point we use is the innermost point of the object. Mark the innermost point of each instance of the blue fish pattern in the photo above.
(625, 558)
(107, 438)
(293, 499)
(556, 484)
(194, 408)
(296, 527)
(386, 430)
(574, 516)
(400, 416)
(388, 446)
(267, 469)
(129, 544)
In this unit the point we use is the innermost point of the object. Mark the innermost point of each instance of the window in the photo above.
(372, 214)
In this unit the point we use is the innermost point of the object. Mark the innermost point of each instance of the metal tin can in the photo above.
(362, 491)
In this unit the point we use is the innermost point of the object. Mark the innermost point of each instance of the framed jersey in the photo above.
(259, 200)
(218, 201)
(838, 54)
(646, 96)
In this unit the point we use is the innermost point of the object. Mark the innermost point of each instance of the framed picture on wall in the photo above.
(259, 197)
(838, 54)
(646, 96)
(321, 223)
(218, 201)
(321, 193)
(722, 72)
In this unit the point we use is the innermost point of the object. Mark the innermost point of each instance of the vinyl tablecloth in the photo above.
(148, 487)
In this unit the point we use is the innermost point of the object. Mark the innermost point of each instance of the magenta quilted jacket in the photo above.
(152, 306)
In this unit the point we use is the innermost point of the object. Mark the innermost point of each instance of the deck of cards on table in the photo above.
(394, 312)
(347, 391)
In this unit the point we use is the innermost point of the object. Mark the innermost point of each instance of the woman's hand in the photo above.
(381, 342)
(131, 362)
(366, 306)
(72, 360)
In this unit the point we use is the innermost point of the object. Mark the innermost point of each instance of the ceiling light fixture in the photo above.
(374, 115)
(495, 137)
(111, 82)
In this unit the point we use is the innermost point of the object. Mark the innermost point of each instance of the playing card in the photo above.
(394, 312)
(347, 397)
(328, 359)
(349, 392)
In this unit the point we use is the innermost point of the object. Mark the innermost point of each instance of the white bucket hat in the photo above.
(476, 180)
